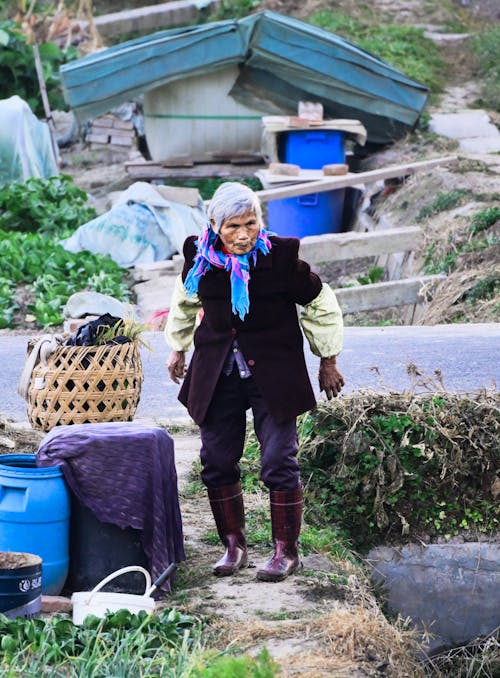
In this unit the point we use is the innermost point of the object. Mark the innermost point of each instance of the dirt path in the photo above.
(320, 622)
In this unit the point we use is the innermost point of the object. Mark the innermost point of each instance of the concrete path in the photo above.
(375, 357)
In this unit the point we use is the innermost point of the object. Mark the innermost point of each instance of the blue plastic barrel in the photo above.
(34, 516)
(311, 214)
(311, 149)
(314, 213)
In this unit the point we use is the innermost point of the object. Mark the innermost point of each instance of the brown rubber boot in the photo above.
(286, 517)
(227, 506)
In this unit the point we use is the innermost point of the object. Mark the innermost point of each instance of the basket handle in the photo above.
(113, 575)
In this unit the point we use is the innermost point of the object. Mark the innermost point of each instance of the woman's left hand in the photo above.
(330, 379)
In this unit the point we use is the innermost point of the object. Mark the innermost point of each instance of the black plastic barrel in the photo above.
(97, 549)
(20, 584)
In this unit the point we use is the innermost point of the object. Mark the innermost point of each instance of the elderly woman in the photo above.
(248, 352)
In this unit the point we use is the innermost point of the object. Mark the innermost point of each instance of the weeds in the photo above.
(444, 202)
(487, 48)
(398, 466)
(404, 47)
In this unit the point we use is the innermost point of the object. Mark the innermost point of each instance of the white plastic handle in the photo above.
(113, 575)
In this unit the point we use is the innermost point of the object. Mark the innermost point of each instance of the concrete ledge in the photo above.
(150, 19)
(352, 245)
(386, 294)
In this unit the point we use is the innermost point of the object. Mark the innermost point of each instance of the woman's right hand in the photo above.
(176, 365)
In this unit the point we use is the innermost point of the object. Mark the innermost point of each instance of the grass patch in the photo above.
(486, 46)
(404, 47)
(483, 220)
(444, 202)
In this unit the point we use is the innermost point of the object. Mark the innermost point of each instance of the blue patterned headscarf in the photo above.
(238, 266)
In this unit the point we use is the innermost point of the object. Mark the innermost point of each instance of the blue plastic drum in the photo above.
(34, 516)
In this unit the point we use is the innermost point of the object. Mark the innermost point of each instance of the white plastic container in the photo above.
(196, 119)
(97, 602)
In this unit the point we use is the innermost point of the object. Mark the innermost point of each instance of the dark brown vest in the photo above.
(270, 337)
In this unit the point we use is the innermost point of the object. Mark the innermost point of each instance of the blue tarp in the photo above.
(282, 61)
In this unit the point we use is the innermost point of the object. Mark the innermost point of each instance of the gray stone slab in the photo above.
(451, 590)
(464, 125)
(481, 144)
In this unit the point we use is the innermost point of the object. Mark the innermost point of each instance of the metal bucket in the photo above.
(20, 584)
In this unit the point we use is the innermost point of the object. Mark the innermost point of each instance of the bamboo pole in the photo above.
(45, 101)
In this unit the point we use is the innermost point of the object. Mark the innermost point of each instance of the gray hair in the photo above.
(233, 199)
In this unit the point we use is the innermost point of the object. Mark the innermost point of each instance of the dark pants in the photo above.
(223, 437)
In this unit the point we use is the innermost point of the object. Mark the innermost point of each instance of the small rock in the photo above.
(56, 604)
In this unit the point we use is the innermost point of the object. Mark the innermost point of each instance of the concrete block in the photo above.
(54, 604)
(352, 245)
(386, 294)
(465, 125)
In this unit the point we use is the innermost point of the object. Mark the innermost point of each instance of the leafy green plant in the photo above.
(53, 205)
(120, 644)
(374, 275)
(53, 274)
(18, 72)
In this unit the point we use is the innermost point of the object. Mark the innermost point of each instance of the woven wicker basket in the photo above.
(85, 385)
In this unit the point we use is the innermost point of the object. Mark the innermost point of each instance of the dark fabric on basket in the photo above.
(125, 473)
(86, 335)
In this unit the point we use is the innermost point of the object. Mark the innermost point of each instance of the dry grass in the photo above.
(480, 659)
(346, 641)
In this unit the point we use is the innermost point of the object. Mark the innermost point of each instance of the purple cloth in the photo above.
(125, 473)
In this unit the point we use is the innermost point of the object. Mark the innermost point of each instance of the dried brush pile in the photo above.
(403, 466)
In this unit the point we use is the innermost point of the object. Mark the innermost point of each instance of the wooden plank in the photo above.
(148, 171)
(353, 244)
(387, 294)
(121, 141)
(126, 133)
(105, 121)
(331, 183)
(118, 123)
(98, 138)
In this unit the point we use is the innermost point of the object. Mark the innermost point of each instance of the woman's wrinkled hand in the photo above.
(176, 365)
(330, 379)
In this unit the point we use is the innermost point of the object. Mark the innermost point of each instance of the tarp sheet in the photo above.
(25, 144)
(141, 227)
(282, 61)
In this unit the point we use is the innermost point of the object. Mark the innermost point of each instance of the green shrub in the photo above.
(18, 72)
(400, 467)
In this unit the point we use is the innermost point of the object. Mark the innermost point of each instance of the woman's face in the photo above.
(239, 234)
